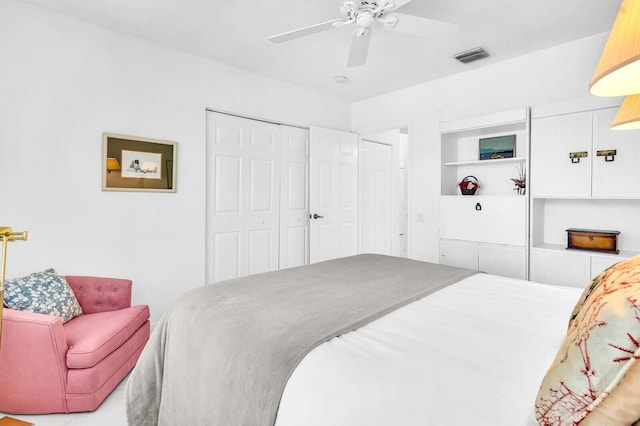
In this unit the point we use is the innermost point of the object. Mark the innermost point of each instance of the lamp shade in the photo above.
(628, 116)
(618, 72)
(112, 164)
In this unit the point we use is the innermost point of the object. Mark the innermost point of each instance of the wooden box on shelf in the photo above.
(592, 239)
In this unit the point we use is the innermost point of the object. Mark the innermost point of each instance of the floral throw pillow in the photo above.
(43, 293)
(601, 346)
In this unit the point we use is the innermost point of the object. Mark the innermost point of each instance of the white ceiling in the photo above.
(235, 32)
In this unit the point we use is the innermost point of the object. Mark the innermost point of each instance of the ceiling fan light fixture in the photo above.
(389, 21)
(471, 55)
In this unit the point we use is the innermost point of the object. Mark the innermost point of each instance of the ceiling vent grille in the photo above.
(472, 55)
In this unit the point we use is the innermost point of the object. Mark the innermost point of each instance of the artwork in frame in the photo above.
(132, 163)
(497, 147)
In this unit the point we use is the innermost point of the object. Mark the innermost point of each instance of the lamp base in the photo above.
(10, 421)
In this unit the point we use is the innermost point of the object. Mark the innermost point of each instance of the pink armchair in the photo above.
(50, 367)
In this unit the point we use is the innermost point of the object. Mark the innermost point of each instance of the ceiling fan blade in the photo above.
(422, 27)
(359, 48)
(304, 31)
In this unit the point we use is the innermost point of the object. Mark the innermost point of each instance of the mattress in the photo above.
(472, 353)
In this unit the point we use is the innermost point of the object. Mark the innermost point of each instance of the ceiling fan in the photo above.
(366, 14)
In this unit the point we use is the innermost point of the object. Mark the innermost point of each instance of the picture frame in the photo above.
(497, 147)
(133, 163)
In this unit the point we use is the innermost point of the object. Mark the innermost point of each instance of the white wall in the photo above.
(62, 83)
(552, 75)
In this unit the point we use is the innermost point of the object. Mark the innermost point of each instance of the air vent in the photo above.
(472, 55)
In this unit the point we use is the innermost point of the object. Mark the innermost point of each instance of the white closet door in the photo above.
(243, 180)
(294, 198)
(376, 162)
(333, 194)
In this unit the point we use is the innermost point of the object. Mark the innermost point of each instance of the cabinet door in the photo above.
(498, 220)
(619, 177)
(600, 263)
(463, 254)
(563, 268)
(502, 260)
(552, 140)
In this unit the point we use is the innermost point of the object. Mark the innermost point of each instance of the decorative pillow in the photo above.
(43, 293)
(599, 351)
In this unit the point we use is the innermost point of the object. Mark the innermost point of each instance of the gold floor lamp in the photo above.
(6, 235)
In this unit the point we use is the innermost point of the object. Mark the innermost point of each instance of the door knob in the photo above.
(316, 216)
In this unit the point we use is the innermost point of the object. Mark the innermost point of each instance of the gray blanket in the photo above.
(222, 354)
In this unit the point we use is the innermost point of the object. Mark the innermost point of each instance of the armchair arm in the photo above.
(96, 294)
(32, 363)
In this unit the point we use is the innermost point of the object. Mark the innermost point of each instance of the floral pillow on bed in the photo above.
(598, 355)
(43, 293)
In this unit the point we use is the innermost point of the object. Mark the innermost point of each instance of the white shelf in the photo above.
(562, 248)
(486, 162)
(587, 197)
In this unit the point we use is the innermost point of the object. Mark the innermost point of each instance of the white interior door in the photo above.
(376, 197)
(294, 197)
(243, 181)
(333, 194)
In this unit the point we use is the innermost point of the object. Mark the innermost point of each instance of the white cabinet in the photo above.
(558, 267)
(486, 231)
(553, 139)
(594, 190)
(463, 254)
(498, 219)
(620, 176)
(503, 260)
(588, 137)
(506, 261)
(567, 267)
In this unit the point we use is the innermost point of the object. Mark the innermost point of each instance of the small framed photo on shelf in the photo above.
(132, 163)
(497, 147)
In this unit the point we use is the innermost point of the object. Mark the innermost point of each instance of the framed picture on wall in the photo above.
(497, 147)
(132, 163)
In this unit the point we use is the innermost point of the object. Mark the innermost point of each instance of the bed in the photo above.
(458, 348)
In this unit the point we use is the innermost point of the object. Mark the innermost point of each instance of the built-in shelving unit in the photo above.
(486, 231)
(591, 193)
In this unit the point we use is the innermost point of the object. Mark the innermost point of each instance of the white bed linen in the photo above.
(473, 353)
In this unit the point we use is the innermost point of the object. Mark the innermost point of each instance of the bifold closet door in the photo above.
(294, 197)
(243, 196)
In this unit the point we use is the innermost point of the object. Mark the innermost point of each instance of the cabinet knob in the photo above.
(608, 154)
(576, 156)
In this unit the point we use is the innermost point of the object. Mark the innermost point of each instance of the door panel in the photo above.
(294, 198)
(333, 194)
(228, 184)
(226, 252)
(243, 180)
(376, 160)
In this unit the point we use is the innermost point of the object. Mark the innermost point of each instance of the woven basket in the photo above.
(469, 185)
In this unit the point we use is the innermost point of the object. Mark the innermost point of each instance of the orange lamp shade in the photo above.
(112, 164)
(618, 72)
(628, 116)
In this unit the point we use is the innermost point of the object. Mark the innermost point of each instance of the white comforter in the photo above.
(473, 353)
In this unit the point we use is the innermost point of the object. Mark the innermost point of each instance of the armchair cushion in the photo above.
(43, 293)
(92, 337)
